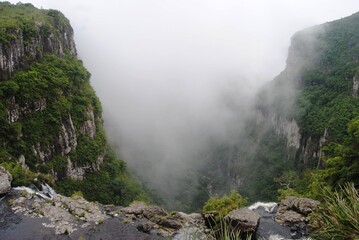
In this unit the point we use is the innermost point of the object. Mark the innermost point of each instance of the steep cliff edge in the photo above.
(300, 120)
(27, 34)
(50, 116)
(309, 105)
(317, 89)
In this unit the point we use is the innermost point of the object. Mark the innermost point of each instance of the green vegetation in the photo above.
(225, 231)
(338, 215)
(30, 20)
(267, 162)
(223, 205)
(288, 181)
(341, 167)
(62, 85)
(320, 99)
(342, 159)
(218, 207)
(112, 184)
(50, 117)
(77, 194)
(287, 192)
(325, 100)
(21, 177)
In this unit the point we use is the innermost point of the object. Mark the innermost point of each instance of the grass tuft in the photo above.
(338, 215)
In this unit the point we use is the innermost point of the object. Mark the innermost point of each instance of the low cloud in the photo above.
(175, 76)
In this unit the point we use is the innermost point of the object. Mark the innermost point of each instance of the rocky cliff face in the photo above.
(5, 181)
(318, 89)
(306, 108)
(51, 126)
(277, 101)
(24, 44)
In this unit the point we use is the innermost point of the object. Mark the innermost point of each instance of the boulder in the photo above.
(294, 213)
(193, 218)
(243, 220)
(289, 217)
(192, 226)
(170, 223)
(5, 181)
(152, 217)
(147, 211)
(305, 205)
(146, 227)
(293, 209)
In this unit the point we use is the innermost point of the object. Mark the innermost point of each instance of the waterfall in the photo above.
(47, 192)
(268, 207)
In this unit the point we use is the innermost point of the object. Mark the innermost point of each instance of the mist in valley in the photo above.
(178, 78)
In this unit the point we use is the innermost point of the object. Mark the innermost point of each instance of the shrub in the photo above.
(77, 194)
(338, 215)
(286, 192)
(223, 205)
(21, 177)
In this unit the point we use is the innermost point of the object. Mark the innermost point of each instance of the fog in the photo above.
(177, 76)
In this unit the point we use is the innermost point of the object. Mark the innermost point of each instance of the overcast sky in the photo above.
(172, 74)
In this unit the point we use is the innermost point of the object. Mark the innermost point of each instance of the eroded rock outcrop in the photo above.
(179, 225)
(78, 172)
(24, 48)
(355, 85)
(294, 212)
(300, 207)
(5, 181)
(89, 126)
(65, 214)
(158, 218)
(67, 139)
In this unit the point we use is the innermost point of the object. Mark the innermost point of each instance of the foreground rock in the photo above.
(178, 225)
(243, 221)
(294, 212)
(269, 229)
(65, 214)
(26, 212)
(29, 214)
(5, 181)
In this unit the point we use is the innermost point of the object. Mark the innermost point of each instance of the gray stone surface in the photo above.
(18, 52)
(243, 221)
(5, 180)
(293, 209)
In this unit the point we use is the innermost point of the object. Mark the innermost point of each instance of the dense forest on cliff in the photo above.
(325, 104)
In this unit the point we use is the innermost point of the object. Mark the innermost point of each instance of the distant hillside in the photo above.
(305, 119)
(325, 100)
